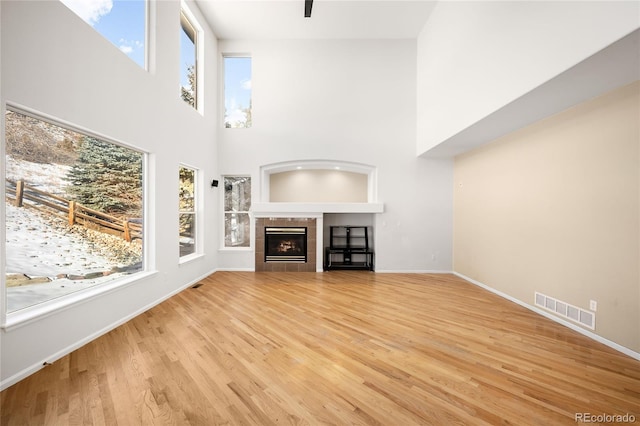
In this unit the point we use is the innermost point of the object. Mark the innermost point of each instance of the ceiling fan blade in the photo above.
(308, 4)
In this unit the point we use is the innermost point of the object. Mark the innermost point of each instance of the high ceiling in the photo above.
(614, 66)
(330, 19)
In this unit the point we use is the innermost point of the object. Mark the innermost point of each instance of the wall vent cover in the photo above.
(566, 310)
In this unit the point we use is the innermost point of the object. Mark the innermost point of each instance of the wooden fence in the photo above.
(76, 213)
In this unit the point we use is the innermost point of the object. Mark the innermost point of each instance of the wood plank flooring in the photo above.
(339, 348)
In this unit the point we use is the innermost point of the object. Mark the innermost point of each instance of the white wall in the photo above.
(348, 100)
(476, 57)
(54, 63)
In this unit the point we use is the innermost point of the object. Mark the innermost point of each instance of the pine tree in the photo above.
(107, 177)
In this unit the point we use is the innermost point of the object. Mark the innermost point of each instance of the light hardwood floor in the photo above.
(331, 348)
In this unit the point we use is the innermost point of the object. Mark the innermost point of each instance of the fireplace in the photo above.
(285, 244)
(281, 265)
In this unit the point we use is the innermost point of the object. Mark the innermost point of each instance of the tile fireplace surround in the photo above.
(309, 266)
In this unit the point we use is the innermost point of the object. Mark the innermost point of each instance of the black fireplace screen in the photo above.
(285, 244)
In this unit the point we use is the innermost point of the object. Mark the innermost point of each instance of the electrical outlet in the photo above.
(593, 305)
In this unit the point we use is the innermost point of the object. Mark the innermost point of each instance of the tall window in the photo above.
(237, 202)
(237, 92)
(187, 215)
(74, 211)
(188, 59)
(122, 22)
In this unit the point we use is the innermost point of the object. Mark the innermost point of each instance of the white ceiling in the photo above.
(330, 19)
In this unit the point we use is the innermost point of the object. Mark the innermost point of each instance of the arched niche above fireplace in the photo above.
(318, 181)
(326, 186)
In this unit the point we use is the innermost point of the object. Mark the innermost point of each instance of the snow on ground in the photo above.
(42, 246)
(28, 295)
(39, 245)
(37, 249)
(45, 177)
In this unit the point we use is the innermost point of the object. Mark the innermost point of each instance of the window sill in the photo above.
(236, 249)
(190, 258)
(42, 310)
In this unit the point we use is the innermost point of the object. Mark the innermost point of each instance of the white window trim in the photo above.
(10, 320)
(186, 12)
(149, 23)
(198, 193)
(42, 310)
(251, 246)
(222, 86)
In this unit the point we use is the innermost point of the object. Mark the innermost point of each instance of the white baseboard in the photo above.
(383, 271)
(236, 269)
(575, 327)
(9, 381)
(413, 271)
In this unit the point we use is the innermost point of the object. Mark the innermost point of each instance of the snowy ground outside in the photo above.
(37, 249)
(55, 255)
(30, 295)
(45, 177)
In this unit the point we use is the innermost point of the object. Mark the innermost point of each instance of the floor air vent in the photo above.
(570, 312)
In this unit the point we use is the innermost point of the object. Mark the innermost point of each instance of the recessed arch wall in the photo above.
(318, 181)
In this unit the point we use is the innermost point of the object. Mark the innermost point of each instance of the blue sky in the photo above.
(237, 86)
(123, 23)
(187, 57)
(120, 21)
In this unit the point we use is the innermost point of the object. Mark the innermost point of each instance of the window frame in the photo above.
(191, 27)
(147, 24)
(247, 212)
(196, 212)
(11, 320)
(225, 56)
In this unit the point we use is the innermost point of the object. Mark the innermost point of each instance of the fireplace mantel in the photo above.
(287, 209)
